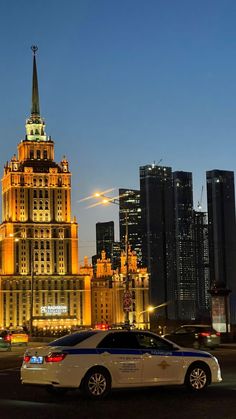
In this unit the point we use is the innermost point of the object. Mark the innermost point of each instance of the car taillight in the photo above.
(205, 334)
(7, 338)
(55, 357)
(217, 333)
(27, 358)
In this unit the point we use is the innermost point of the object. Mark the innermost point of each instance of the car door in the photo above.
(162, 363)
(183, 336)
(123, 358)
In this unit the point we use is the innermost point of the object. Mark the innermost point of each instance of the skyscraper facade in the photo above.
(157, 227)
(222, 233)
(201, 264)
(39, 271)
(104, 238)
(129, 200)
(186, 285)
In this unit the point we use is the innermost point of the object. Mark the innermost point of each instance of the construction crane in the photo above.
(199, 204)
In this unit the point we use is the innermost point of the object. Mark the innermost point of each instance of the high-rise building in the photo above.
(129, 200)
(39, 272)
(116, 252)
(104, 238)
(222, 233)
(157, 226)
(201, 264)
(186, 285)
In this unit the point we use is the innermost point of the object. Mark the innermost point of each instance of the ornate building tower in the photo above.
(40, 282)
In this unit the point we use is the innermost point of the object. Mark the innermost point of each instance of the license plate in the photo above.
(36, 360)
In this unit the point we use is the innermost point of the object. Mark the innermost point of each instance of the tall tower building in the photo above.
(104, 238)
(222, 233)
(186, 286)
(157, 224)
(39, 272)
(201, 264)
(130, 205)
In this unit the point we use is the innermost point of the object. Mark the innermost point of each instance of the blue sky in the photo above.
(122, 83)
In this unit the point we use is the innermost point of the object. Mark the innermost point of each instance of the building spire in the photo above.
(35, 125)
(35, 92)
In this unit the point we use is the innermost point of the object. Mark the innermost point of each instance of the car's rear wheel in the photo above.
(96, 383)
(197, 377)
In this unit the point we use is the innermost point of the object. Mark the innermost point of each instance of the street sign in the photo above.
(127, 301)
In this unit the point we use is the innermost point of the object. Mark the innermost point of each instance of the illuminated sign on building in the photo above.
(54, 310)
(219, 317)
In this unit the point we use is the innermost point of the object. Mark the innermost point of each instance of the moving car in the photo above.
(15, 337)
(196, 336)
(4, 346)
(97, 361)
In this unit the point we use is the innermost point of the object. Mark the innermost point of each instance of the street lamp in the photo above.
(150, 309)
(127, 299)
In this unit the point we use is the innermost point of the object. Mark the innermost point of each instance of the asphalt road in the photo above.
(17, 401)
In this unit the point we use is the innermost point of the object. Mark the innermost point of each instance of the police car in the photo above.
(97, 361)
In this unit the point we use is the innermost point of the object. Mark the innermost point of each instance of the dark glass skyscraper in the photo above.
(105, 238)
(222, 233)
(201, 264)
(157, 224)
(186, 286)
(130, 203)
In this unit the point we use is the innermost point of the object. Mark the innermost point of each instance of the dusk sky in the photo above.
(122, 83)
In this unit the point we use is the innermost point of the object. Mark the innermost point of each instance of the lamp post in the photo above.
(150, 309)
(127, 298)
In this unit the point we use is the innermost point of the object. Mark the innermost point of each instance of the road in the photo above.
(17, 401)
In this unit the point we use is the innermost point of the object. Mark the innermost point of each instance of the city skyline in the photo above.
(123, 84)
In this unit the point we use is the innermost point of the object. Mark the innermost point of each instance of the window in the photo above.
(31, 154)
(182, 331)
(150, 341)
(73, 339)
(125, 340)
(44, 154)
(38, 154)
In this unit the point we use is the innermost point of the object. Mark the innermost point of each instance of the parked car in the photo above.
(97, 361)
(195, 336)
(4, 345)
(15, 337)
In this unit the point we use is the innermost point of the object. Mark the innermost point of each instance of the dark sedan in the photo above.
(195, 336)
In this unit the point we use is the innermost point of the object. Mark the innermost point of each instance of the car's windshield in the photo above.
(73, 339)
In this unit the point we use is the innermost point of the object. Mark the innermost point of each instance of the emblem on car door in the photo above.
(163, 365)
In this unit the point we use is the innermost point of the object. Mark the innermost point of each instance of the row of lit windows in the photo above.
(39, 154)
(41, 205)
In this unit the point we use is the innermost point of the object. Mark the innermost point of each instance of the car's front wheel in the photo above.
(197, 377)
(96, 383)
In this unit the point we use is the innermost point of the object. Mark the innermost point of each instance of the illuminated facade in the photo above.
(107, 292)
(39, 268)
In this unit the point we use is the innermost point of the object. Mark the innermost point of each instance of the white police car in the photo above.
(96, 361)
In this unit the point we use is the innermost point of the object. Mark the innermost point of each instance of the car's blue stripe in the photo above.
(98, 351)
(195, 354)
